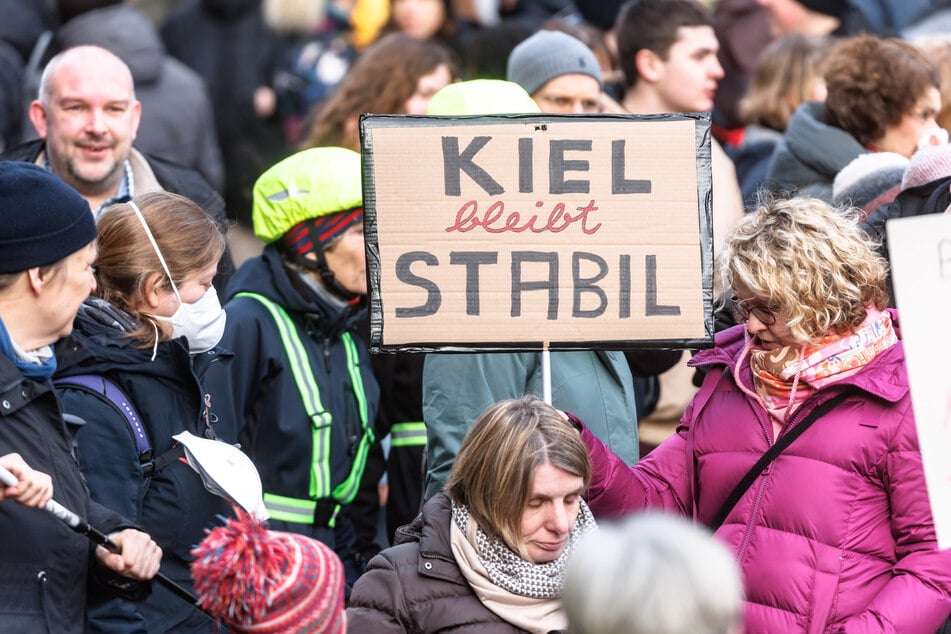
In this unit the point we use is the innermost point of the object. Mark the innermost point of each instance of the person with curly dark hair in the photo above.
(882, 96)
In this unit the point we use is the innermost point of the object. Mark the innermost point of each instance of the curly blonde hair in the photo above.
(808, 260)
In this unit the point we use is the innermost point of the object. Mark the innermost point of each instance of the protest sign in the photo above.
(528, 231)
(920, 253)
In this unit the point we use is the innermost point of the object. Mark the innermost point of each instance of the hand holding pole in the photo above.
(79, 525)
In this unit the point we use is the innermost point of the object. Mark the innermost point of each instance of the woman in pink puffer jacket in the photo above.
(836, 534)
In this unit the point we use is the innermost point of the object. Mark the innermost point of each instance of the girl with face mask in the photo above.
(150, 328)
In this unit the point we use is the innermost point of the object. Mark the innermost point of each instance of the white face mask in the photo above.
(202, 323)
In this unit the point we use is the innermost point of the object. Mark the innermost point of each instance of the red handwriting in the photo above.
(491, 220)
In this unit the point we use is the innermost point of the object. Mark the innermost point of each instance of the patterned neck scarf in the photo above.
(784, 378)
(521, 593)
(508, 570)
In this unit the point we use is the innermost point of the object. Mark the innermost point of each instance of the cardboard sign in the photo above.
(920, 253)
(523, 231)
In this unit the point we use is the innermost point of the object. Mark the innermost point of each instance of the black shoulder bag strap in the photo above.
(770, 455)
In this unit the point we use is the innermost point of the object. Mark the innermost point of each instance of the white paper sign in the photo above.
(920, 253)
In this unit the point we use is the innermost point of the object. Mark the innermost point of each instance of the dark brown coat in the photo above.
(416, 586)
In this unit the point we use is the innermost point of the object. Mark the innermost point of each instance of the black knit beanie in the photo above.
(42, 219)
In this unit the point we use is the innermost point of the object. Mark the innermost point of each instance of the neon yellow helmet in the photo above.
(309, 184)
(481, 97)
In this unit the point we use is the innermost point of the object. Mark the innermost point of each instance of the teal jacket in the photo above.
(595, 385)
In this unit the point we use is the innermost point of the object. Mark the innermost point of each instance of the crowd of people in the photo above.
(155, 155)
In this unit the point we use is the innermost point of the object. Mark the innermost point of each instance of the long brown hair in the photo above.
(379, 82)
(188, 238)
(788, 70)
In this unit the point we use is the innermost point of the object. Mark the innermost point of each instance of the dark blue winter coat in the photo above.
(173, 505)
(43, 563)
(275, 429)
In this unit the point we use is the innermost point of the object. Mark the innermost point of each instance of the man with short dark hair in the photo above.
(668, 52)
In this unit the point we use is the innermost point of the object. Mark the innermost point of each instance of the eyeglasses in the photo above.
(766, 316)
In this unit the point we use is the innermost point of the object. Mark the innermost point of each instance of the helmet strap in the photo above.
(320, 267)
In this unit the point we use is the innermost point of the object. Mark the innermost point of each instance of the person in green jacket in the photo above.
(594, 384)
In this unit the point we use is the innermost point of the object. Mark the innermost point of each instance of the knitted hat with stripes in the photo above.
(268, 582)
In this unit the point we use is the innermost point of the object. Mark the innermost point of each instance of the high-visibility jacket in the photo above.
(301, 389)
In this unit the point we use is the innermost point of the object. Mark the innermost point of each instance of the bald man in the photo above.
(87, 117)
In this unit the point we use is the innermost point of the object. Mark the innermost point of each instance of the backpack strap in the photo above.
(106, 390)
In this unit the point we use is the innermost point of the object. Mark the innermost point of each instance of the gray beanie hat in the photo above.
(550, 54)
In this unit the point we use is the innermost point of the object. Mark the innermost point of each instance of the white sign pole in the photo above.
(546, 374)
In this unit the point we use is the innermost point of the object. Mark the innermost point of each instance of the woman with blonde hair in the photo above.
(147, 335)
(800, 449)
(491, 550)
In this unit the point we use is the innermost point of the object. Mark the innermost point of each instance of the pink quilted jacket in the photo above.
(837, 534)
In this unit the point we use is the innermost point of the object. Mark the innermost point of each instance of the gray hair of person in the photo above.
(652, 574)
(43, 93)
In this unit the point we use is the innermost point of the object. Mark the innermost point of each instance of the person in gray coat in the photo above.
(882, 97)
